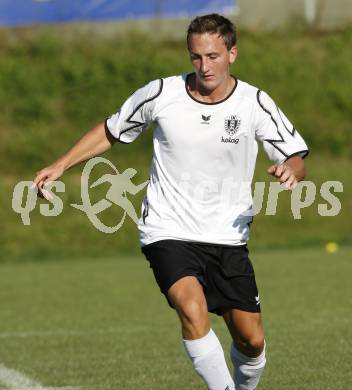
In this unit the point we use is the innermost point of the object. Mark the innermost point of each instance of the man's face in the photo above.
(211, 59)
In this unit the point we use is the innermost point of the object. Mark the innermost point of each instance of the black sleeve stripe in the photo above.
(123, 142)
(274, 142)
(136, 123)
(292, 132)
(305, 154)
(265, 109)
(107, 130)
(146, 210)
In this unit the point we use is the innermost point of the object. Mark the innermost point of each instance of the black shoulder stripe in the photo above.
(265, 109)
(291, 132)
(136, 123)
(281, 140)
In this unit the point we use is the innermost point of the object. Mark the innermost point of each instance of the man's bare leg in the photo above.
(248, 347)
(201, 343)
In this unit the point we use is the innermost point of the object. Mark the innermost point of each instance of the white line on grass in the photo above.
(14, 380)
(72, 332)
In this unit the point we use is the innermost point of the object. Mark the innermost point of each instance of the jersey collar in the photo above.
(208, 103)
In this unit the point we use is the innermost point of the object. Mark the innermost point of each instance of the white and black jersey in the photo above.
(204, 158)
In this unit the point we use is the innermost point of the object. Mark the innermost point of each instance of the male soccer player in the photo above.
(197, 210)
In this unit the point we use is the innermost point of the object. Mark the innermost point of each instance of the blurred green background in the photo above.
(53, 88)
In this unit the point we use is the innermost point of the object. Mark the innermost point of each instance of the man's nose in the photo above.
(204, 66)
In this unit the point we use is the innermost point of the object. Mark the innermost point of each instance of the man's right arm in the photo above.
(93, 143)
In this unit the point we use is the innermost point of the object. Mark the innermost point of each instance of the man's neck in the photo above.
(210, 96)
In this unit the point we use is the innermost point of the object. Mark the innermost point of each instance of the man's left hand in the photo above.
(284, 174)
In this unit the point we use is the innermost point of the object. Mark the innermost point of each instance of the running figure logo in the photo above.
(120, 185)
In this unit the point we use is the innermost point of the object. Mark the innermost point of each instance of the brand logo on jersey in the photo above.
(230, 140)
(206, 119)
(232, 124)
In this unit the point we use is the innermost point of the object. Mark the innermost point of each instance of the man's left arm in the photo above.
(290, 172)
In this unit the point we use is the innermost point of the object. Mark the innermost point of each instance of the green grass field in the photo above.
(92, 317)
(102, 324)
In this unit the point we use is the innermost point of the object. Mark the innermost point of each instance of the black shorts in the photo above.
(225, 272)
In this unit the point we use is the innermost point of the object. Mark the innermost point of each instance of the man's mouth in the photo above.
(207, 77)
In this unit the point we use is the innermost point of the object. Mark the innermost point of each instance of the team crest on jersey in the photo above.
(232, 124)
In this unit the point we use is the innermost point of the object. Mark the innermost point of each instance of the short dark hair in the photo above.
(214, 24)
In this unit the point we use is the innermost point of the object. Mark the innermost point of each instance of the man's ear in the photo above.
(233, 54)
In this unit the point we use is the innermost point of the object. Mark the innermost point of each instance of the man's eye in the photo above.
(213, 57)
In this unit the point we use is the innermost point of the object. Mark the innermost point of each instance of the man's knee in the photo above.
(193, 311)
(246, 330)
(194, 318)
(253, 344)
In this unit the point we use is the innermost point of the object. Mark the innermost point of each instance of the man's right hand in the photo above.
(46, 176)
(94, 142)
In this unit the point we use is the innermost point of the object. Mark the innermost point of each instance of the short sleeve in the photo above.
(135, 114)
(279, 137)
